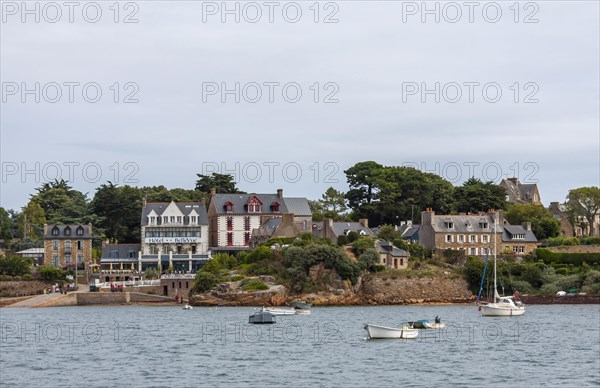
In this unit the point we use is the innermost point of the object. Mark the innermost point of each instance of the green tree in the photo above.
(224, 183)
(6, 225)
(387, 233)
(317, 210)
(362, 187)
(543, 223)
(585, 202)
(62, 204)
(204, 281)
(31, 221)
(369, 258)
(51, 274)
(333, 203)
(118, 210)
(13, 265)
(475, 196)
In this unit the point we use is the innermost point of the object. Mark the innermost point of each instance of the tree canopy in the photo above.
(224, 183)
(543, 223)
(475, 196)
(584, 202)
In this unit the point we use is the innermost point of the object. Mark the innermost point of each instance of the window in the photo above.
(484, 224)
(449, 238)
(229, 239)
(114, 254)
(67, 231)
(246, 223)
(79, 245)
(67, 258)
(186, 285)
(193, 219)
(275, 207)
(68, 246)
(246, 238)
(80, 259)
(165, 219)
(485, 238)
(132, 254)
(485, 251)
(55, 245)
(518, 236)
(229, 223)
(473, 251)
(228, 206)
(473, 238)
(179, 219)
(79, 231)
(449, 224)
(173, 219)
(518, 249)
(55, 231)
(55, 260)
(461, 238)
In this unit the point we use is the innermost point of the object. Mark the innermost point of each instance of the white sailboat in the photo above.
(502, 306)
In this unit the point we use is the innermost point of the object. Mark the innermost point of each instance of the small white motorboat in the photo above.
(380, 332)
(262, 317)
(302, 312)
(279, 310)
(187, 307)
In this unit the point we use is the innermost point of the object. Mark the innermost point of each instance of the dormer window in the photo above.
(79, 231)
(192, 219)
(228, 206)
(518, 236)
(468, 224)
(483, 224)
(253, 205)
(449, 224)
(67, 231)
(275, 207)
(165, 219)
(55, 231)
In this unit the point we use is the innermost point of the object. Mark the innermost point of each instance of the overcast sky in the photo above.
(361, 81)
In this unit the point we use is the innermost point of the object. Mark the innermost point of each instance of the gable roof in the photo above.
(340, 228)
(461, 223)
(122, 250)
(297, 205)
(239, 200)
(511, 230)
(389, 248)
(184, 207)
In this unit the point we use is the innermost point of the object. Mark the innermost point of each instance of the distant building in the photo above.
(36, 254)
(332, 230)
(119, 262)
(475, 234)
(233, 218)
(174, 235)
(559, 210)
(409, 231)
(516, 192)
(391, 257)
(67, 245)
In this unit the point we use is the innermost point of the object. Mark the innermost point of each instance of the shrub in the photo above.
(51, 274)
(204, 281)
(255, 285)
(360, 245)
(151, 273)
(576, 259)
(342, 240)
(591, 284)
(377, 268)
(13, 265)
(368, 259)
(27, 276)
(237, 278)
(522, 286)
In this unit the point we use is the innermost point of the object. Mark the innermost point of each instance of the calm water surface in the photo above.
(167, 346)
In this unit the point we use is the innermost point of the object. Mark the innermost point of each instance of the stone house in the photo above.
(475, 234)
(332, 230)
(67, 245)
(517, 192)
(390, 256)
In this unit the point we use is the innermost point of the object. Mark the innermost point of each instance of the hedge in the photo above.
(549, 257)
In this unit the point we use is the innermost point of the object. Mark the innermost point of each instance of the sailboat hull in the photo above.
(491, 310)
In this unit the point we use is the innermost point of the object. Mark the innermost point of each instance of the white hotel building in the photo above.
(174, 234)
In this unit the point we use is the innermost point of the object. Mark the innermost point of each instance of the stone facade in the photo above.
(517, 192)
(66, 245)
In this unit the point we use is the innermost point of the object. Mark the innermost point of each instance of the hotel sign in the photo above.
(172, 240)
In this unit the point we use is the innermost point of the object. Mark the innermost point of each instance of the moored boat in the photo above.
(187, 307)
(262, 317)
(383, 332)
(299, 304)
(280, 310)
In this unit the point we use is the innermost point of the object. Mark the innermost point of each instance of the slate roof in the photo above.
(411, 233)
(299, 206)
(122, 250)
(239, 200)
(461, 222)
(388, 248)
(185, 208)
(268, 227)
(511, 230)
(87, 232)
(340, 228)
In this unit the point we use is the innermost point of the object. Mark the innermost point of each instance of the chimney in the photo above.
(45, 229)
(213, 191)
(280, 193)
(514, 180)
(427, 217)
(144, 201)
(203, 202)
(364, 222)
(526, 225)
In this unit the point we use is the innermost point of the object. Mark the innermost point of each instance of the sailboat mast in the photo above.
(495, 285)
